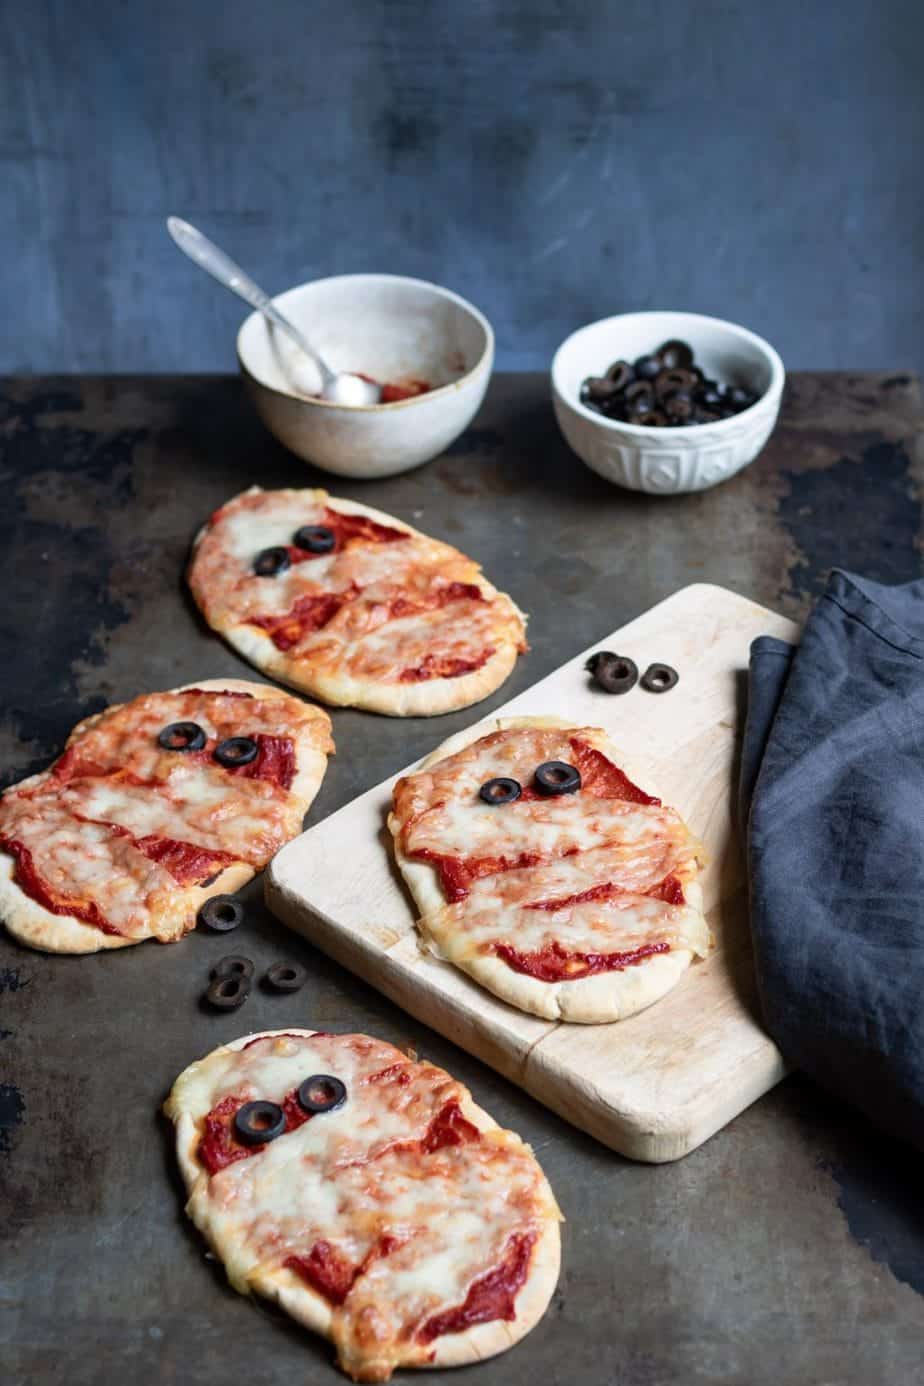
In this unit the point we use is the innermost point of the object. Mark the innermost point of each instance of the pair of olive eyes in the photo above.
(551, 778)
(189, 736)
(310, 538)
(256, 1123)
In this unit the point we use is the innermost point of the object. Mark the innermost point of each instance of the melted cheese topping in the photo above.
(80, 822)
(418, 1226)
(506, 866)
(368, 632)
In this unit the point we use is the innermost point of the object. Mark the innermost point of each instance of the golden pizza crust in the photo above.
(426, 698)
(31, 924)
(291, 1293)
(598, 999)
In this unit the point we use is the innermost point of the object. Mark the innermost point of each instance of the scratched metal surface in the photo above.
(790, 1248)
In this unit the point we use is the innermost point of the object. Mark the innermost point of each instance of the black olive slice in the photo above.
(675, 353)
(286, 976)
(659, 678)
(321, 1093)
(620, 374)
(500, 790)
(221, 913)
(670, 381)
(678, 407)
(613, 672)
(651, 418)
(182, 736)
(258, 1122)
(271, 562)
(315, 539)
(557, 777)
(639, 394)
(647, 367)
(237, 750)
(740, 399)
(233, 965)
(228, 992)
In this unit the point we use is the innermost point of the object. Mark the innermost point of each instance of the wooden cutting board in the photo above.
(654, 1086)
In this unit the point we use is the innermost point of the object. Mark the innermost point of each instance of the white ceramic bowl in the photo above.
(665, 461)
(389, 328)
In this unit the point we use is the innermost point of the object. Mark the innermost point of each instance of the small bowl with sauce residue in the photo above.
(432, 349)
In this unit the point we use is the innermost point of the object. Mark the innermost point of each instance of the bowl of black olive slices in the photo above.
(666, 402)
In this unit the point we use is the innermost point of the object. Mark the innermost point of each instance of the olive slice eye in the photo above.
(659, 678)
(315, 539)
(258, 1122)
(271, 562)
(236, 750)
(182, 736)
(500, 790)
(557, 777)
(221, 913)
(321, 1093)
(613, 672)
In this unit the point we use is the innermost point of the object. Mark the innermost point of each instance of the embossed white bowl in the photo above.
(666, 461)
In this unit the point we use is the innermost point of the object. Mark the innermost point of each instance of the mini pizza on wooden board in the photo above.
(543, 871)
(351, 605)
(155, 806)
(368, 1195)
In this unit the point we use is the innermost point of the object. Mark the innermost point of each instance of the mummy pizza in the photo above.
(155, 806)
(368, 1195)
(544, 872)
(351, 605)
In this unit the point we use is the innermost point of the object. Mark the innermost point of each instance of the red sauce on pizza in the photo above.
(326, 1270)
(348, 530)
(275, 761)
(449, 1127)
(669, 890)
(434, 666)
(217, 1146)
(492, 1296)
(553, 963)
(309, 613)
(187, 864)
(29, 881)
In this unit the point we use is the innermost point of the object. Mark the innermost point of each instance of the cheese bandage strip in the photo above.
(404, 1224)
(385, 618)
(582, 906)
(122, 840)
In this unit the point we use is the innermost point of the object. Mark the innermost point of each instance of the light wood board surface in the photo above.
(657, 1085)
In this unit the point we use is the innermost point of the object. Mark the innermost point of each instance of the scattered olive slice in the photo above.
(675, 353)
(500, 790)
(321, 1093)
(258, 1122)
(221, 913)
(613, 672)
(557, 777)
(659, 678)
(233, 965)
(182, 736)
(228, 992)
(315, 539)
(271, 562)
(286, 976)
(236, 750)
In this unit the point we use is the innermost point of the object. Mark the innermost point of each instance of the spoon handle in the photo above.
(220, 266)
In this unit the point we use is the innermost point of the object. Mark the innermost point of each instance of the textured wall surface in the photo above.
(554, 160)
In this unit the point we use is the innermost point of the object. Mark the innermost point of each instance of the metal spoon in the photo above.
(340, 387)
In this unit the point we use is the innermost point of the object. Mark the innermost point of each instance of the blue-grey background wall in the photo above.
(553, 160)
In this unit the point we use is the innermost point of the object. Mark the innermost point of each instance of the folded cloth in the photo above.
(832, 794)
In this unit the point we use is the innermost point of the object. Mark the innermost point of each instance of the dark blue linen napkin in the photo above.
(832, 795)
